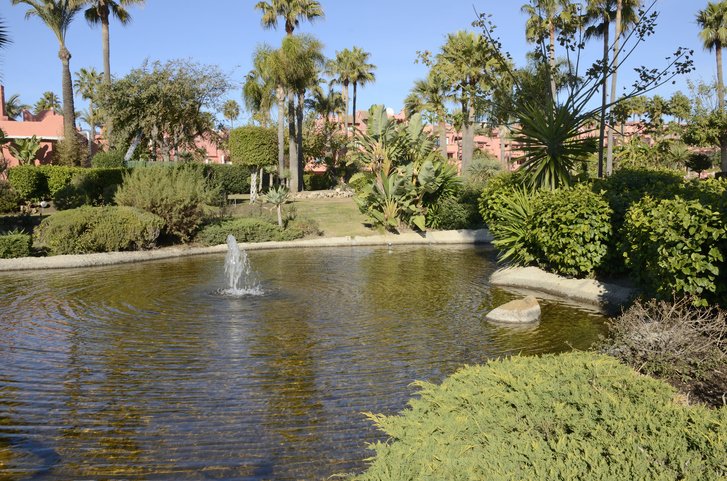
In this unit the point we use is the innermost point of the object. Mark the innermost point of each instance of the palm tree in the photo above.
(88, 82)
(48, 101)
(100, 11)
(325, 103)
(713, 21)
(58, 15)
(291, 11)
(341, 70)
(4, 38)
(231, 111)
(431, 96)
(545, 17)
(13, 106)
(363, 73)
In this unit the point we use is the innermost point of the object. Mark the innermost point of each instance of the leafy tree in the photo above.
(254, 147)
(48, 101)
(25, 150)
(713, 21)
(57, 15)
(231, 111)
(363, 73)
(291, 12)
(88, 82)
(680, 107)
(14, 107)
(166, 106)
(429, 97)
(699, 162)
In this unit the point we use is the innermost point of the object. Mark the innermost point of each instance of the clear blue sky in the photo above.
(226, 32)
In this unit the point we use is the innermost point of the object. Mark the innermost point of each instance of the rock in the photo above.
(519, 311)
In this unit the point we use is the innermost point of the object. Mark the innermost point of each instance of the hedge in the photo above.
(230, 178)
(14, 244)
(98, 229)
(29, 182)
(253, 146)
(110, 159)
(571, 416)
(246, 229)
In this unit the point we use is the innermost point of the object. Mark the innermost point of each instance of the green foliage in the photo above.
(572, 230)
(253, 146)
(512, 233)
(360, 180)
(699, 162)
(318, 182)
(98, 229)
(677, 247)
(570, 416)
(483, 168)
(70, 152)
(28, 181)
(72, 187)
(229, 178)
(180, 196)
(245, 229)
(108, 159)
(458, 212)
(675, 341)
(14, 244)
(306, 226)
(26, 150)
(9, 199)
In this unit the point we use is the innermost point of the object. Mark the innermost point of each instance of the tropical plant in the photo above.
(88, 82)
(57, 15)
(14, 107)
(713, 21)
(290, 11)
(429, 97)
(509, 213)
(340, 68)
(362, 73)
(4, 38)
(278, 196)
(48, 101)
(699, 162)
(25, 150)
(231, 111)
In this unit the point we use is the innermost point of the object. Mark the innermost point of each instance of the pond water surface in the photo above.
(145, 372)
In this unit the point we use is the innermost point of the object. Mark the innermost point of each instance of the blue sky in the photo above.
(226, 32)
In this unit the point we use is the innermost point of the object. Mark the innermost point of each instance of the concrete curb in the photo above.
(583, 290)
(453, 237)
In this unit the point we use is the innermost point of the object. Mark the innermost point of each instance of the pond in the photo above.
(145, 372)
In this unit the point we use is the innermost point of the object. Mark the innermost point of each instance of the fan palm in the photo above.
(87, 84)
(713, 21)
(340, 68)
(58, 15)
(430, 96)
(13, 106)
(363, 73)
(48, 101)
(291, 11)
(231, 111)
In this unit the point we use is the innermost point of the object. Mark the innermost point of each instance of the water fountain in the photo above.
(241, 280)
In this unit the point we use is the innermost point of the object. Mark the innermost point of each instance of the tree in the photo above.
(430, 97)
(254, 147)
(291, 11)
(340, 68)
(545, 18)
(713, 21)
(14, 107)
(680, 106)
(88, 82)
(363, 73)
(57, 16)
(166, 106)
(48, 101)
(231, 111)
(4, 38)
(99, 12)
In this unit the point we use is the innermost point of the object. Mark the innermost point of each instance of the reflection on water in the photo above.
(144, 372)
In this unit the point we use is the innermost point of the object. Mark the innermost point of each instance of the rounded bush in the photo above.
(14, 244)
(110, 159)
(98, 229)
(572, 230)
(318, 182)
(571, 416)
(253, 146)
(676, 247)
(29, 182)
(9, 199)
(246, 229)
(229, 178)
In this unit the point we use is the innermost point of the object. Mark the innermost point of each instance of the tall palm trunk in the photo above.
(609, 152)
(468, 138)
(344, 93)
(299, 138)
(69, 110)
(280, 94)
(292, 144)
(443, 138)
(502, 135)
(355, 84)
(106, 59)
(551, 58)
(720, 103)
(604, 101)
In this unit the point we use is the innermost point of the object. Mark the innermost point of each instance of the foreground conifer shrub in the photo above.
(14, 244)
(98, 229)
(572, 416)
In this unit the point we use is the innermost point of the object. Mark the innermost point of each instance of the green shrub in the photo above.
(57, 177)
(318, 182)
(676, 247)
(180, 196)
(14, 244)
(675, 341)
(110, 159)
(9, 199)
(29, 182)
(494, 195)
(360, 180)
(230, 178)
(457, 212)
(572, 230)
(306, 226)
(570, 416)
(98, 229)
(246, 229)
(253, 146)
